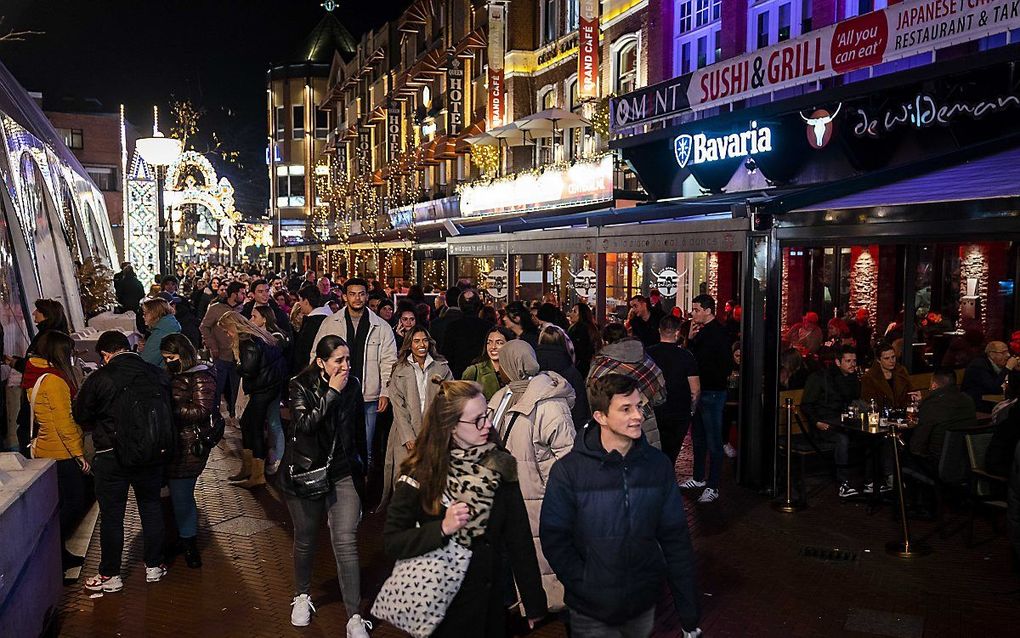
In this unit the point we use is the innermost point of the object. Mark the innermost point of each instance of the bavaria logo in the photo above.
(701, 149)
(682, 146)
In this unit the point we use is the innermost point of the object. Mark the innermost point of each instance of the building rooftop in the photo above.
(328, 36)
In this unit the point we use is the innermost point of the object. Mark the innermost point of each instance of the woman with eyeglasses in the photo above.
(457, 484)
(326, 433)
(410, 395)
(193, 390)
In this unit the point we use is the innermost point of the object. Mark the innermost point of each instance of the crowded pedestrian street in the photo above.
(510, 318)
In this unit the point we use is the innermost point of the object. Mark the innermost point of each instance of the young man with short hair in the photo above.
(643, 320)
(373, 351)
(312, 305)
(613, 525)
(262, 296)
(711, 346)
(683, 387)
(96, 410)
(827, 394)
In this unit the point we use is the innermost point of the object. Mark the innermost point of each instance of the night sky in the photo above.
(144, 52)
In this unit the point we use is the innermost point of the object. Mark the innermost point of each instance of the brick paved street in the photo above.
(756, 577)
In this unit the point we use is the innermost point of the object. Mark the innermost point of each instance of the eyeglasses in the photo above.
(482, 422)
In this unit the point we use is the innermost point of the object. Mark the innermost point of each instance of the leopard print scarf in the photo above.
(471, 482)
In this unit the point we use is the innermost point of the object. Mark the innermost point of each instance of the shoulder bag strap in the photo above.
(32, 394)
(509, 427)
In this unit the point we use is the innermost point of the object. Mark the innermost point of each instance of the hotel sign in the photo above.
(394, 128)
(588, 50)
(454, 95)
(583, 183)
(899, 31)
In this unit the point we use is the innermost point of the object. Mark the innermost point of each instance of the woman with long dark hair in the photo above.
(48, 315)
(410, 394)
(58, 436)
(456, 484)
(193, 389)
(584, 333)
(485, 369)
(519, 320)
(327, 433)
(263, 371)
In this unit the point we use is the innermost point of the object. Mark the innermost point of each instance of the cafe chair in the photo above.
(951, 479)
(987, 491)
(803, 446)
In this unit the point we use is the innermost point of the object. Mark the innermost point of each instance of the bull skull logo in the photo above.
(819, 127)
(495, 283)
(667, 281)
(585, 283)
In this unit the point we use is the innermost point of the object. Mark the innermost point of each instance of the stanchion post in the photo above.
(787, 505)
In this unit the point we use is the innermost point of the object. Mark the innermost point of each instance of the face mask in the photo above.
(174, 367)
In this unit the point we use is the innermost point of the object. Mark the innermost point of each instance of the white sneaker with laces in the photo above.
(709, 495)
(106, 584)
(357, 627)
(691, 484)
(155, 574)
(729, 451)
(301, 615)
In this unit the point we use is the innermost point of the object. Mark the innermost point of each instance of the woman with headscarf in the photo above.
(533, 421)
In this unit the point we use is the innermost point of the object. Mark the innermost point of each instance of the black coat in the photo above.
(282, 320)
(304, 341)
(584, 348)
(614, 530)
(464, 342)
(129, 291)
(827, 395)
(262, 366)
(439, 325)
(320, 418)
(980, 378)
(477, 609)
(94, 406)
(554, 358)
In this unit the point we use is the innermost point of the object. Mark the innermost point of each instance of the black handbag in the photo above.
(313, 483)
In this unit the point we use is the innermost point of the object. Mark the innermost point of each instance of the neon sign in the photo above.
(701, 149)
(924, 111)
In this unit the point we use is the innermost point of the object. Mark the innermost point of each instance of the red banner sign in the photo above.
(588, 51)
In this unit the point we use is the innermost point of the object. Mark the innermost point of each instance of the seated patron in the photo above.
(886, 382)
(944, 408)
(827, 395)
(986, 374)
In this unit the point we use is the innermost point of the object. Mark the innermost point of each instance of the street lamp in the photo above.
(160, 152)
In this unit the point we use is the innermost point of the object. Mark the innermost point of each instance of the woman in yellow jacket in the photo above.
(58, 436)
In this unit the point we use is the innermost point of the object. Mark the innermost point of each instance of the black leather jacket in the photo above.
(322, 417)
(262, 366)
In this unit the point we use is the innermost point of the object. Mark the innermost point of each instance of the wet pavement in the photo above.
(762, 573)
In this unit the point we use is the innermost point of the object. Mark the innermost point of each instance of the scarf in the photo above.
(518, 362)
(471, 482)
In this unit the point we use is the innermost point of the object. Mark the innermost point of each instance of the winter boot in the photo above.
(258, 474)
(245, 472)
(191, 556)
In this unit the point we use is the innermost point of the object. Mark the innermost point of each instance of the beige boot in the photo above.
(245, 472)
(258, 474)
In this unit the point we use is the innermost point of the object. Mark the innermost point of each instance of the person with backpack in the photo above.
(193, 388)
(126, 405)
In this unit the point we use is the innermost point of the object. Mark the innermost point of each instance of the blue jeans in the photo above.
(708, 422)
(227, 380)
(276, 438)
(371, 412)
(182, 495)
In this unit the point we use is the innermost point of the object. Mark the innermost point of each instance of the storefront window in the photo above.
(473, 270)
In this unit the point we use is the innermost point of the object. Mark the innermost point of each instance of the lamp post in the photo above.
(160, 152)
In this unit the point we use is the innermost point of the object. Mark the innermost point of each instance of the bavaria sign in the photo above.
(701, 149)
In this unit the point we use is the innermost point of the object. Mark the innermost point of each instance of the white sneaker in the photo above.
(729, 451)
(709, 495)
(107, 584)
(301, 615)
(155, 574)
(357, 627)
(691, 484)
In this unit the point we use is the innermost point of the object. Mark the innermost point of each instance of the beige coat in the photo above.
(542, 433)
(407, 414)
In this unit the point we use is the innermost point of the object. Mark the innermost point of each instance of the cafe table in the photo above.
(890, 429)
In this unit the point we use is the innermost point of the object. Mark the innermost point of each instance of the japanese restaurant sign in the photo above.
(582, 183)
(899, 31)
(496, 113)
(893, 33)
(588, 50)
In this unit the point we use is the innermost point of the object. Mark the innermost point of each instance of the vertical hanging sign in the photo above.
(364, 149)
(588, 50)
(497, 97)
(454, 94)
(393, 130)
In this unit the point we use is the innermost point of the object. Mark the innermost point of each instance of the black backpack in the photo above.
(145, 434)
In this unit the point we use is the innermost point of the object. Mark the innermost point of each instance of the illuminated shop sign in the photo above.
(701, 149)
(924, 111)
(582, 183)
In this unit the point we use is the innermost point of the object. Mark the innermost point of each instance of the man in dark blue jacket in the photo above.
(613, 525)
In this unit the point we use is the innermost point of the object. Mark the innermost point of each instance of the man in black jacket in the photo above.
(95, 409)
(438, 326)
(611, 481)
(465, 335)
(683, 387)
(312, 305)
(985, 375)
(130, 291)
(262, 296)
(827, 395)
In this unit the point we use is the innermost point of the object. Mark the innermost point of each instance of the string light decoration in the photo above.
(487, 159)
(600, 117)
